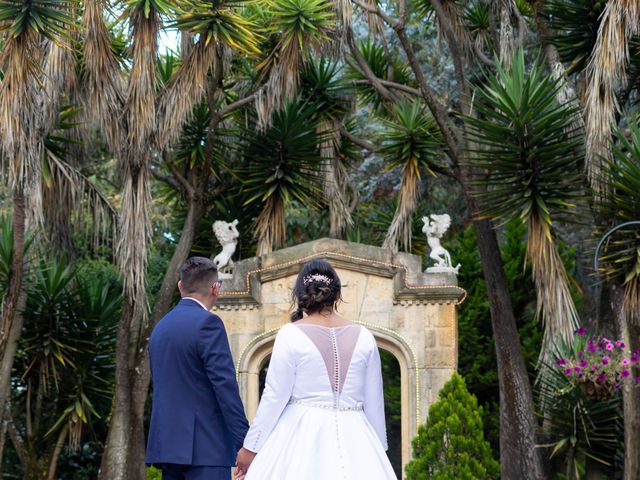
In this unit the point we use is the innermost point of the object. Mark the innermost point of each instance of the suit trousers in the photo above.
(171, 471)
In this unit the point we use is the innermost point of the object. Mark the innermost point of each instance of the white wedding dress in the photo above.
(321, 416)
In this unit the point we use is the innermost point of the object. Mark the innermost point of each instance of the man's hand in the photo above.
(243, 460)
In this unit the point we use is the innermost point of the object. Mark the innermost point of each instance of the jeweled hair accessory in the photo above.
(316, 277)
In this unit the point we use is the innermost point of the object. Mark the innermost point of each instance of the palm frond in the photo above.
(21, 118)
(183, 91)
(285, 165)
(304, 27)
(529, 156)
(621, 253)
(620, 21)
(140, 101)
(412, 143)
(103, 82)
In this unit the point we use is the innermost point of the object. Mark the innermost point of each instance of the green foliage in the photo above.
(526, 142)
(285, 160)
(621, 254)
(45, 17)
(575, 26)
(578, 428)
(375, 57)
(302, 20)
(154, 474)
(412, 139)
(222, 22)
(451, 444)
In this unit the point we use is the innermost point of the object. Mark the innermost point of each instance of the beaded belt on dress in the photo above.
(326, 406)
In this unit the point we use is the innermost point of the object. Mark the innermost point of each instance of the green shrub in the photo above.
(154, 474)
(451, 444)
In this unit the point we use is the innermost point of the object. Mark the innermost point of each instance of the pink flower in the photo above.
(591, 347)
(605, 360)
(624, 373)
(561, 361)
(583, 363)
(609, 346)
(581, 331)
(634, 358)
(624, 362)
(567, 371)
(619, 343)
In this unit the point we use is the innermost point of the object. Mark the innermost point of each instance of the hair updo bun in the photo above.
(317, 288)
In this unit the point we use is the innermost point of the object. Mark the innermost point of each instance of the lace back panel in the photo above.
(336, 345)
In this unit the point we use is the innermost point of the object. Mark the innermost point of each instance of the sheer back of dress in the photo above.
(336, 345)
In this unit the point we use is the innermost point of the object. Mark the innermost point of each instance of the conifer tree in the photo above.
(451, 444)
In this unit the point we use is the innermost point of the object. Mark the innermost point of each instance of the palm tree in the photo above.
(285, 164)
(412, 142)
(322, 86)
(26, 24)
(530, 155)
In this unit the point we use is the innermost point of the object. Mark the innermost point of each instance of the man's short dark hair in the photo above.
(198, 275)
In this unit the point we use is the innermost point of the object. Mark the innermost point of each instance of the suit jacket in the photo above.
(197, 416)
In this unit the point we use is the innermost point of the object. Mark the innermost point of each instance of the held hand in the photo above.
(243, 460)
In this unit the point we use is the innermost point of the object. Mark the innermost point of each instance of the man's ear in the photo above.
(180, 286)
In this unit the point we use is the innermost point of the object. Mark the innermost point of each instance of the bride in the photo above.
(321, 416)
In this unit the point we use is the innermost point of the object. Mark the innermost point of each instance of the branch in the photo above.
(365, 70)
(357, 140)
(15, 437)
(388, 84)
(189, 190)
(482, 56)
(227, 109)
(165, 178)
(393, 23)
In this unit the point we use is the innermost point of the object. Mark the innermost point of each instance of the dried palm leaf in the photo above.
(554, 303)
(606, 73)
(103, 83)
(270, 226)
(185, 89)
(21, 118)
(140, 105)
(334, 180)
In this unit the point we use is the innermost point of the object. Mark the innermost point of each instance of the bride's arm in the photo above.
(374, 395)
(276, 394)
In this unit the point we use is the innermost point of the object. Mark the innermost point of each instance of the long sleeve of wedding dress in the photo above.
(374, 395)
(276, 394)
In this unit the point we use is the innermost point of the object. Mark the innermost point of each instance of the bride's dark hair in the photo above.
(317, 288)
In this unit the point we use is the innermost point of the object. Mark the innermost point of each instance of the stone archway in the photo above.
(412, 315)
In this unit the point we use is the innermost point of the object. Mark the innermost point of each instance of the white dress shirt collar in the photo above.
(195, 300)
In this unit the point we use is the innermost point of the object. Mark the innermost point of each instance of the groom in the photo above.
(197, 421)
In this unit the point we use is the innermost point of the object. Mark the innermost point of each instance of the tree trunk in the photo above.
(141, 374)
(57, 450)
(519, 455)
(629, 331)
(116, 450)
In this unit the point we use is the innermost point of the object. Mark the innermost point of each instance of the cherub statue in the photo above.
(435, 227)
(227, 234)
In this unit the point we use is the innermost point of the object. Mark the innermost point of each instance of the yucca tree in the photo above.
(285, 163)
(531, 158)
(25, 25)
(620, 263)
(607, 70)
(299, 28)
(65, 364)
(412, 142)
(322, 85)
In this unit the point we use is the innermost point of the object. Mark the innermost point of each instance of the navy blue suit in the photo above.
(197, 416)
